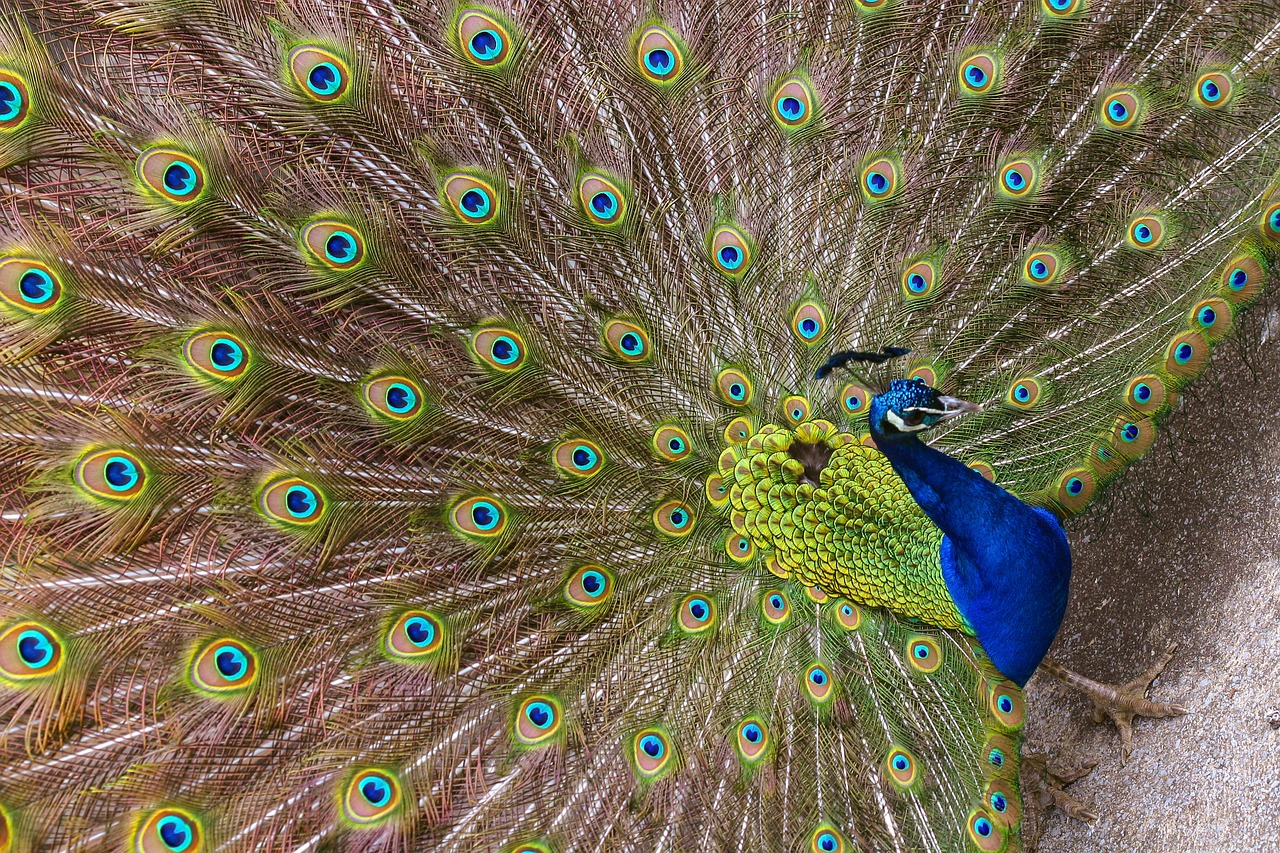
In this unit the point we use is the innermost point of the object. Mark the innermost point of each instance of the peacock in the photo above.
(572, 425)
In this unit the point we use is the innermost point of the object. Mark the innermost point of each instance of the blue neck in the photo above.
(1007, 565)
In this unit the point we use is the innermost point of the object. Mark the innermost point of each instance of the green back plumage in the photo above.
(375, 377)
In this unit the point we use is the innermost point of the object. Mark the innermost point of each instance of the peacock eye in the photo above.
(914, 418)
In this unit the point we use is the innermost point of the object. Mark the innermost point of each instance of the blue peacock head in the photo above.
(910, 406)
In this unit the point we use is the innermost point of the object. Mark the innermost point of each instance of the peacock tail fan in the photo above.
(411, 438)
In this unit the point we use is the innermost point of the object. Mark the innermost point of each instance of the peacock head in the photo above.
(910, 406)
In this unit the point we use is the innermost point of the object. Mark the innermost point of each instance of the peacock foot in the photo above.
(1121, 703)
(1043, 784)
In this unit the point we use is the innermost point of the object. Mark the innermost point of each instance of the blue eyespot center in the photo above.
(699, 609)
(583, 458)
(593, 583)
(652, 746)
(1142, 392)
(1239, 278)
(121, 474)
(808, 327)
(752, 733)
(324, 78)
(998, 802)
(10, 101)
(975, 75)
(916, 283)
(737, 391)
(1014, 180)
(1130, 432)
(1210, 91)
(504, 350)
(485, 45)
(231, 662)
(420, 631)
(730, 257)
(631, 342)
(179, 178)
(982, 826)
(226, 354)
(400, 398)
(818, 677)
(827, 843)
(901, 763)
(775, 601)
(678, 517)
(376, 791)
(36, 286)
(540, 714)
(1143, 233)
(1005, 704)
(340, 247)
(1039, 269)
(877, 183)
(659, 61)
(485, 515)
(1183, 353)
(1118, 110)
(35, 649)
(791, 108)
(605, 204)
(300, 501)
(996, 758)
(1074, 486)
(475, 203)
(175, 833)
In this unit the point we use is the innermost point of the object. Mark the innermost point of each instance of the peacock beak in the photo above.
(954, 406)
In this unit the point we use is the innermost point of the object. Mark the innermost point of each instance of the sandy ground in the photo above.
(1185, 548)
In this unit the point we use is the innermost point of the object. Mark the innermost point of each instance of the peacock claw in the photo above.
(1045, 786)
(1121, 703)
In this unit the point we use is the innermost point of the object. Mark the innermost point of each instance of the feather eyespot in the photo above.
(395, 398)
(15, 100)
(918, 281)
(1017, 179)
(872, 5)
(879, 179)
(1242, 279)
(627, 341)
(320, 74)
(1003, 803)
(792, 103)
(602, 200)
(578, 458)
(1120, 110)
(978, 73)
(531, 847)
(674, 518)
(730, 251)
(808, 322)
(293, 501)
(672, 443)
(734, 387)
(335, 245)
(740, 548)
(848, 615)
(925, 373)
(169, 830)
(1025, 393)
(924, 654)
(370, 797)
(752, 740)
(413, 635)
(223, 666)
(776, 607)
(1006, 705)
(486, 42)
(854, 399)
(29, 650)
(480, 517)
(500, 349)
(1075, 489)
(1042, 267)
(115, 475)
(173, 175)
(1212, 317)
(651, 753)
(1271, 222)
(696, 613)
(987, 835)
(717, 490)
(1061, 8)
(984, 468)
(659, 56)
(1186, 355)
(220, 356)
(474, 201)
(29, 286)
(1214, 90)
(1146, 394)
(827, 839)
(589, 586)
(1146, 233)
(795, 409)
(818, 684)
(538, 720)
(739, 430)
(902, 767)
